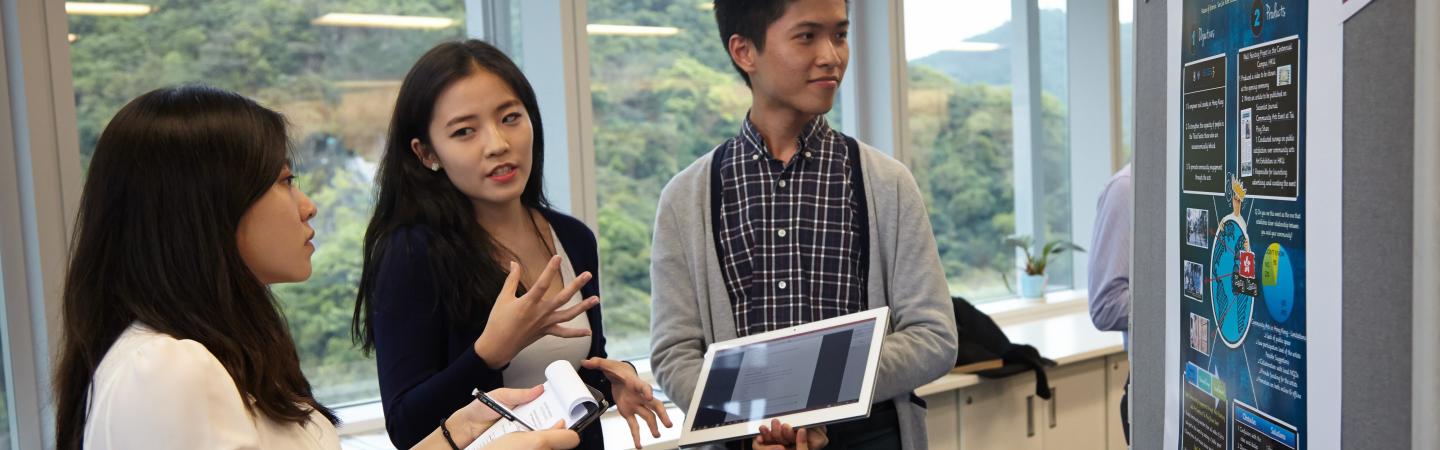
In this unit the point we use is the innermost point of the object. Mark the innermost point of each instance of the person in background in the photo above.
(791, 222)
(461, 221)
(1110, 268)
(172, 339)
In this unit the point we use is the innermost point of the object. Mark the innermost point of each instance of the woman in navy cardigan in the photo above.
(470, 280)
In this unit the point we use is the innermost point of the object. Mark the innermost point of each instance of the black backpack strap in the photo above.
(862, 209)
(716, 221)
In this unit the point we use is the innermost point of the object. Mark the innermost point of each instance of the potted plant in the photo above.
(1032, 281)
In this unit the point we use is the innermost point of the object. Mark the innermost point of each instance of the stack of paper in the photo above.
(566, 398)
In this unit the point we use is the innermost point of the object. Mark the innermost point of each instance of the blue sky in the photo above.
(936, 25)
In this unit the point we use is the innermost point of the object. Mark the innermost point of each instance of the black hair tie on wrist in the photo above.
(446, 432)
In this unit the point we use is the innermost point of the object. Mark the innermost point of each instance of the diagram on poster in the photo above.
(1243, 238)
(1232, 273)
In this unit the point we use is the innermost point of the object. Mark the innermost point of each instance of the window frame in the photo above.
(41, 164)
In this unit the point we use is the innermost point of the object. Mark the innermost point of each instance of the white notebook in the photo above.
(565, 398)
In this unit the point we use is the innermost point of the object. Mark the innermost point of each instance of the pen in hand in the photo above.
(500, 408)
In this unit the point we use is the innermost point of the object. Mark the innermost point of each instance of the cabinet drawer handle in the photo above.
(1029, 416)
(1054, 398)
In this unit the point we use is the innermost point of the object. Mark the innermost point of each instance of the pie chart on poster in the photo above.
(1277, 285)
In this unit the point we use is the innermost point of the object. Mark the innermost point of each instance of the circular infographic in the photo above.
(1277, 285)
(1231, 302)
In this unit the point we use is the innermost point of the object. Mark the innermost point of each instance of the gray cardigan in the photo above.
(691, 307)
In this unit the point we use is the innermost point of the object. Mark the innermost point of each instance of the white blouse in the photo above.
(152, 391)
(527, 369)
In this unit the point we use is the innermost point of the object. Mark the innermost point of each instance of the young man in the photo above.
(792, 222)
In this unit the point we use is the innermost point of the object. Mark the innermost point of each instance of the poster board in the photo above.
(1252, 207)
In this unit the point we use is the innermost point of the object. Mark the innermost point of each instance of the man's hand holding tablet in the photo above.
(764, 385)
(779, 436)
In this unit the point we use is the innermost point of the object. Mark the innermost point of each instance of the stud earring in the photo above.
(435, 166)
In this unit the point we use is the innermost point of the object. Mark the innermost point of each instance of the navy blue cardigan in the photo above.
(427, 363)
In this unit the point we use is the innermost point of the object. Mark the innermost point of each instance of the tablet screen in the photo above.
(786, 375)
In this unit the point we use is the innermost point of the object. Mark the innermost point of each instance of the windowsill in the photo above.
(361, 418)
(1020, 310)
(367, 418)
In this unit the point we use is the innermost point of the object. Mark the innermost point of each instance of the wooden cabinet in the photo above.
(1007, 415)
(942, 419)
(1001, 414)
(1117, 372)
(1074, 416)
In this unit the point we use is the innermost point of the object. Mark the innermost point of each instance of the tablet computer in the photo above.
(814, 374)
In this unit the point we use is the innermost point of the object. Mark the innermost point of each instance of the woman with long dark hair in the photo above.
(172, 339)
(460, 220)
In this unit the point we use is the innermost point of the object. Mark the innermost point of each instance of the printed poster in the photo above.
(1242, 238)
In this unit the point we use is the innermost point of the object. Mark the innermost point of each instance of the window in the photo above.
(502, 28)
(961, 143)
(1127, 79)
(1053, 165)
(334, 77)
(961, 137)
(663, 93)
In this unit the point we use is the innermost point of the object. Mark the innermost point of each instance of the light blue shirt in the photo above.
(1110, 257)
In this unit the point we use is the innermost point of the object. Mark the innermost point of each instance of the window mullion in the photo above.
(1026, 113)
(556, 58)
(1092, 35)
(874, 98)
(42, 162)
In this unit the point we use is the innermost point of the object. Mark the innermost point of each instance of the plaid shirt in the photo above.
(790, 236)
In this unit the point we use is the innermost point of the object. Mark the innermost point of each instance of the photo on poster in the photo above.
(1247, 148)
(1197, 227)
(1200, 333)
(1194, 280)
(1282, 76)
